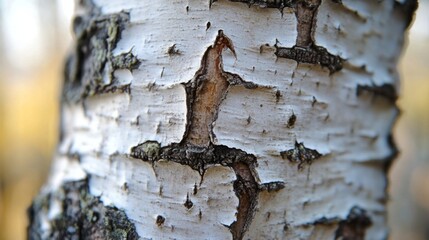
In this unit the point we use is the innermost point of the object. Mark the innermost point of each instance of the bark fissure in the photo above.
(94, 135)
(305, 49)
(197, 149)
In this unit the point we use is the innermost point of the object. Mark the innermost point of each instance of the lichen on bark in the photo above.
(90, 68)
(82, 216)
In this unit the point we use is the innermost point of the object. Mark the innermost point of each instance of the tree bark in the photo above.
(241, 119)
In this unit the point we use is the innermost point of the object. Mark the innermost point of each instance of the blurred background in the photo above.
(34, 38)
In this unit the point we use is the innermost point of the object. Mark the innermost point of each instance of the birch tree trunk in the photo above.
(241, 119)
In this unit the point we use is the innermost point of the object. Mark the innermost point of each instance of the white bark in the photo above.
(351, 131)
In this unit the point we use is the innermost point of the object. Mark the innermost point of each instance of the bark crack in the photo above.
(305, 49)
(205, 92)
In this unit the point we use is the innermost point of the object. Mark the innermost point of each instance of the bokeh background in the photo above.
(34, 38)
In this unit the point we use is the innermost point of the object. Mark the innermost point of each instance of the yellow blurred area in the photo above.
(29, 104)
(28, 136)
(34, 35)
(409, 176)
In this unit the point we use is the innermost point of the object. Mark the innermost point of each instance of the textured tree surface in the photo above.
(226, 120)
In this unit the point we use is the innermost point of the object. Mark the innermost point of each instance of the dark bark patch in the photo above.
(313, 55)
(291, 121)
(160, 220)
(248, 120)
(324, 221)
(92, 59)
(279, 4)
(301, 155)
(172, 50)
(386, 90)
(195, 191)
(83, 216)
(392, 156)
(125, 61)
(196, 157)
(305, 49)
(272, 186)
(188, 203)
(113, 88)
(204, 94)
(278, 96)
(147, 151)
(354, 227)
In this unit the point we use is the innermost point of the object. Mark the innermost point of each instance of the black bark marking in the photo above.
(291, 121)
(354, 227)
(386, 90)
(278, 96)
(272, 186)
(96, 37)
(188, 203)
(312, 54)
(195, 191)
(199, 158)
(160, 220)
(172, 50)
(314, 101)
(301, 155)
(394, 152)
(83, 216)
(305, 50)
(205, 92)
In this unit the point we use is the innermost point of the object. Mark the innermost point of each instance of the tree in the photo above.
(242, 119)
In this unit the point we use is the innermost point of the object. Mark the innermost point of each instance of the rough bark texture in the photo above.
(226, 119)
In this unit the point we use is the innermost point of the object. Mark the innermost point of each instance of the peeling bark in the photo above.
(197, 149)
(305, 49)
